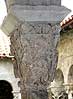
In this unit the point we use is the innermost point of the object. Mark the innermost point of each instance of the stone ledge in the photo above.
(50, 14)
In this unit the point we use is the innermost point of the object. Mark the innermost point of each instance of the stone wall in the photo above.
(65, 49)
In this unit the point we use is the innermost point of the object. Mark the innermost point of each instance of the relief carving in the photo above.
(36, 55)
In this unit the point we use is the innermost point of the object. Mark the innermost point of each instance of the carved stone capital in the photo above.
(34, 47)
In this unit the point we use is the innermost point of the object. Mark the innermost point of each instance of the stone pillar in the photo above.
(34, 44)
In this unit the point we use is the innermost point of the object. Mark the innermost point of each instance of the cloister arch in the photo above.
(7, 78)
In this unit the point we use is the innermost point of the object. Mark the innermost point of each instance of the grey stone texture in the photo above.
(34, 46)
(55, 2)
(16, 12)
(34, 43)
(38, 2)
(49, 14)
(65, 58)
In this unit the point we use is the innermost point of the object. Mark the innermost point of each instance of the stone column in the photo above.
(34, 44)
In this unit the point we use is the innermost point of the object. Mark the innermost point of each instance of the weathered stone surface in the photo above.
(65, 59)
(55, 2)
(49, 14)
(34, 47)
(57, 85)
(38, 2)
(28, 13)
(34, 44)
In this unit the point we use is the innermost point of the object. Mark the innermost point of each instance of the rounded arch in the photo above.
(59, 75)
(5, 90)
(70, 74)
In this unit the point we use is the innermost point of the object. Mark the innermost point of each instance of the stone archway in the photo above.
(6, 90)
(7, 74)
